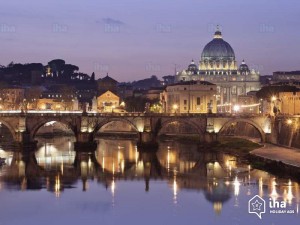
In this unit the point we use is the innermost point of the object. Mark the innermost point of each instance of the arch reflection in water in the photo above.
(218, 177)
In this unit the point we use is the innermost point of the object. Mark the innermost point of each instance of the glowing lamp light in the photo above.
(273, 98)
(175, 106)
(289, 121)
(236, 108)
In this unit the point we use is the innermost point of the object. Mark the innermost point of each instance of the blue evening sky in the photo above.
(133, 39)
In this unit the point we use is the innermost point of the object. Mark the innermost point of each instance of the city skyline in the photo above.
(134, 40)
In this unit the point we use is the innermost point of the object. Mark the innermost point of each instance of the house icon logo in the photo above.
(257, 206)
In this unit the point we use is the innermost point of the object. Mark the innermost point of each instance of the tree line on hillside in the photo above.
(56, 69)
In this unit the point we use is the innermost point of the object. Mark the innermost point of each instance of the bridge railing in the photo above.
(125, 114)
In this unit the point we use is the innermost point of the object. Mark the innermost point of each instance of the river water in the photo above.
(117, 184)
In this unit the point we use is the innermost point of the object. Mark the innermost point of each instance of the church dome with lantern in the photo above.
(218, 57)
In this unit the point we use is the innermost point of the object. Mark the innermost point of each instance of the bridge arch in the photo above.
(111, 120)
(10, 128)
(164, 124)
(248, 121)
(41, 123)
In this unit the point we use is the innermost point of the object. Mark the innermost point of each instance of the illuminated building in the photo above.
(288, 103)
(285, 76)
(190, 97)
(108, 101)
(12, 97)
(218, 65)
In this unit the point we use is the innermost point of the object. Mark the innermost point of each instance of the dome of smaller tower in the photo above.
(244, 67)
(193, 67)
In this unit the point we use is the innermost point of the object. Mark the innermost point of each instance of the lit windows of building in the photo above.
(190, 97)
(218, 65)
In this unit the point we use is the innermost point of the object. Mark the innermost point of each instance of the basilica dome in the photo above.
(218, 57)
(218, 49)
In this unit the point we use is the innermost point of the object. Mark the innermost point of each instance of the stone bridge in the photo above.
(24, 126)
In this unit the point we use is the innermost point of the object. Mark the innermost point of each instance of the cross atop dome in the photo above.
(218, 33)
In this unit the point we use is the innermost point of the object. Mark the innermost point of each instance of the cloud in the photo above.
(112, 21)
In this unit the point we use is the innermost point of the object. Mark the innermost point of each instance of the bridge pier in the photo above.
(85, 142)
(147, 141)
(25, 142)
(210, 137)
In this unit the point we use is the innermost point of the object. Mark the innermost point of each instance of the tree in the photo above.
(93, 77)
(57, 67)
(68, 71)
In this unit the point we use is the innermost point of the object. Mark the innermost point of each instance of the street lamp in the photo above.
(289, 121)
(236, 108)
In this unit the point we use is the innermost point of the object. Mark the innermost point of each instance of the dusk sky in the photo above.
(134, 39)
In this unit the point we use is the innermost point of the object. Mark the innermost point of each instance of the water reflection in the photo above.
(56, 168)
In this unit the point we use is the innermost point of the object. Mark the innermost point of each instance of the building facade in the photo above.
(190, 97)
(12, 98)
(284, 76)
(108, 102)
(218, 65)
(288, 103)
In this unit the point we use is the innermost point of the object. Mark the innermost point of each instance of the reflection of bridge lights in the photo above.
(274, 194)
(175, 189)
(260, 187)
(89, 162)
(62, 167)
(122, 166)
(168, 160)
(136, 156)
(236, 185)
(288, 194)
(113, 187)
(57, 186)
(103, 163)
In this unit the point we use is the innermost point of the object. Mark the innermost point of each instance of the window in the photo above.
(185, 102)
(198, 101)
